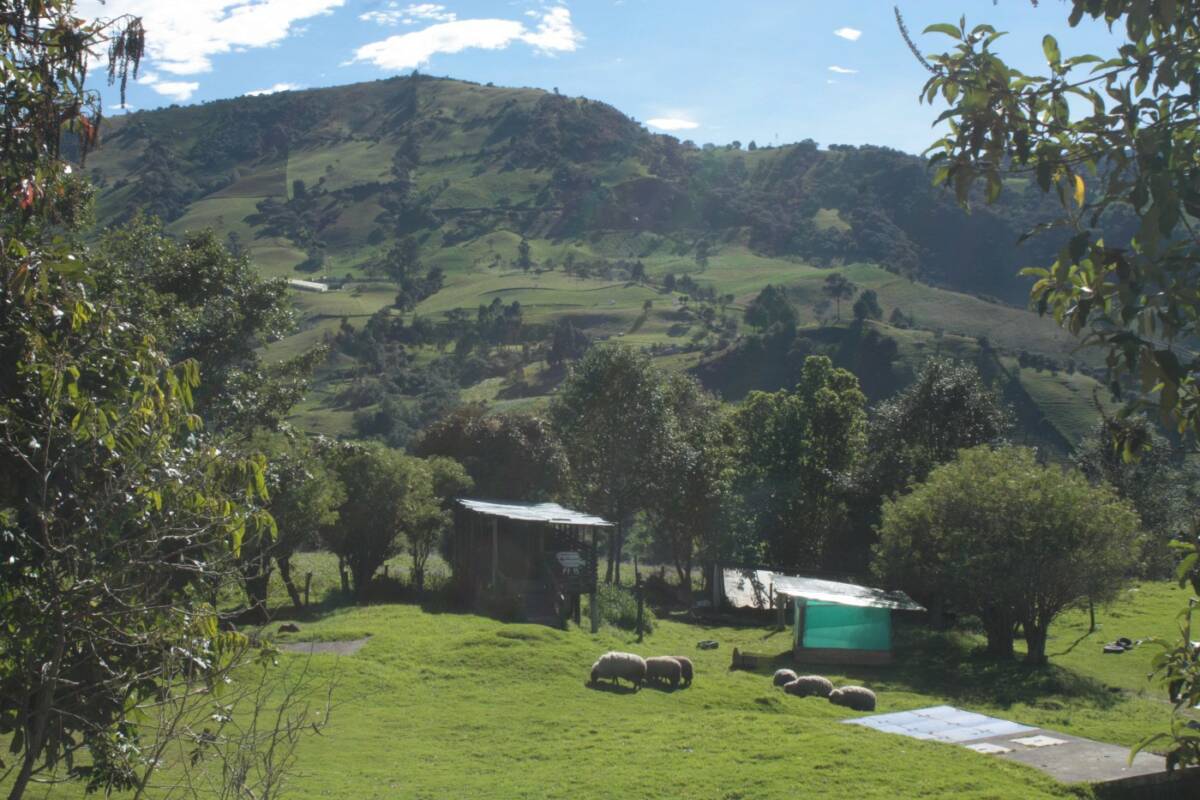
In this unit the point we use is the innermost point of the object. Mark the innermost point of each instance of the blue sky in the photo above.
(773, 71)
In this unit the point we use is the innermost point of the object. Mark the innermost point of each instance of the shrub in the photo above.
(618, 607)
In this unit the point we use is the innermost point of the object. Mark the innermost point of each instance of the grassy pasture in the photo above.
(1068, 401)
(441, 704)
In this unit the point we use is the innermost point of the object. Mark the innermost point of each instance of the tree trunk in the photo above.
(1035, 639)
(362, 584)
(344, 576)
(612, 545)
(999, 629)
(418, 575)
(22, 780)
(257, 583)
(617, 555)
(285, 573)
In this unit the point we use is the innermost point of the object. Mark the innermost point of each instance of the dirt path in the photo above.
(346, 647)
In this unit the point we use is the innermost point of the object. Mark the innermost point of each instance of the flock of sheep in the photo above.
(858, 698)
(617, 666)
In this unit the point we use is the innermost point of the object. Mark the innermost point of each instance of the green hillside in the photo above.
(571, 211)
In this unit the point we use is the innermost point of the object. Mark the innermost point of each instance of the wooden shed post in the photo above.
(495, 551)
(593, 598)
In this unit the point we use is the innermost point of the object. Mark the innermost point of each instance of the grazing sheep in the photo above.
(616, 665)
(854, 697)
(664, 668)
(809, 686)
(783, 676)
(686, 669)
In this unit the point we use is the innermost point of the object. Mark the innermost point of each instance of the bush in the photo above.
(618, 607)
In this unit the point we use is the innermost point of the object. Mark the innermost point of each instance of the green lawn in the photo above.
(441, 704)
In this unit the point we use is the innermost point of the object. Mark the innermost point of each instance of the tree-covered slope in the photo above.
(566, 208)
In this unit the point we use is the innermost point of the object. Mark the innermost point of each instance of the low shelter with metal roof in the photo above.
(832, 622)
(542, 553)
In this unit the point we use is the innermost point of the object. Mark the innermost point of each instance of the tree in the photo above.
(611, 414)
(402, 260)
(669, 282)
(509, 456)
(1009, 539)
(1136, 150)
(839, 288)
(796, 453)
(201, 302)
(946, 409)
(427, 519)
(1158, 484)
(118, 512)
(691, 490)
(384, 490)
(771, 307)
(703, 252)
(304, 498)
(524, 261)
(867, 306)
(637, 273)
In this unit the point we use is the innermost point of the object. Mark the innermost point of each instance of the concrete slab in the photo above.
(1079, 760)
(1066, 758)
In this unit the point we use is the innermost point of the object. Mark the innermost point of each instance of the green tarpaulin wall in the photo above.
(838, 627)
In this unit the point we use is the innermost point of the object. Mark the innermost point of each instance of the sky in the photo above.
(769, 71)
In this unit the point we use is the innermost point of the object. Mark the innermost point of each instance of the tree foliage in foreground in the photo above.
(118, 512)
(1134, 147)
(1014, 541)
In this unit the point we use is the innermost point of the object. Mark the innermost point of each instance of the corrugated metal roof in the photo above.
(534, 512)
(751, 589)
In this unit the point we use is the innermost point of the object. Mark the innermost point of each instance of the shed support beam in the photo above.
(495, 551)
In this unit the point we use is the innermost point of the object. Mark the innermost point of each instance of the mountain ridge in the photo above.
(568, 208)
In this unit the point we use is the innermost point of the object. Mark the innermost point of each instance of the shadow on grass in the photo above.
(611, 688)
(950, 665)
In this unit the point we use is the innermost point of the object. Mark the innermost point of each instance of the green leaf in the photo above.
(946, 28)
(1050, 48)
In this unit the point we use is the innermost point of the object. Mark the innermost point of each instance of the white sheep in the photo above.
(783, 676)
(686, 669)
(615, 665)
(664, 668)
(809, 686)
(857, 698)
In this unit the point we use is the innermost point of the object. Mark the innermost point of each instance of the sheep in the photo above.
(686, 669)
(617, 665)
(783, 676)
(809, 686)
(857, 698)
(664, 668)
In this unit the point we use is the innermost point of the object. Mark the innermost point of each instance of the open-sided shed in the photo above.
(835, 622)
(832, 622)
(542, 552)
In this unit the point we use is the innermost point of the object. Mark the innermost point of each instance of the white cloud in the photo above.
(176, 90)
(279, 87)
(672, 124)
(554, 33)
(843, 70)
(411, 14)
(849, 34)
(182, 37)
